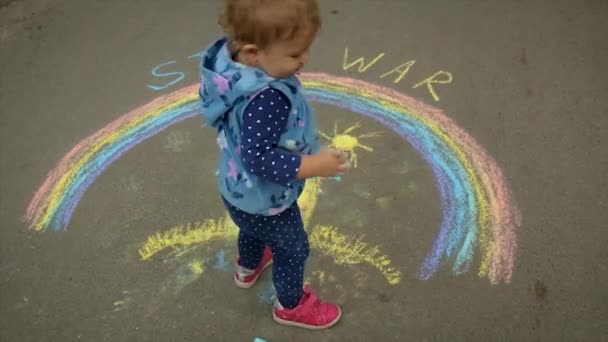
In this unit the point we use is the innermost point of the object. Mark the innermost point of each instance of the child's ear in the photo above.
(249, 54)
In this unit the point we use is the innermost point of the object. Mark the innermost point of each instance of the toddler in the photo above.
(269, 145)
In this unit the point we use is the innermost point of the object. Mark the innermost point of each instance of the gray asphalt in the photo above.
(528, 84)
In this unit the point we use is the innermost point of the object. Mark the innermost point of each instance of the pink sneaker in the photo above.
(311, 313)
(246, 278)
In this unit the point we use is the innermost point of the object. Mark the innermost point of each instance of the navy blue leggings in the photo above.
(284, 234)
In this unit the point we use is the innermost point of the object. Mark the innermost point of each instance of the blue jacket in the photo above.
(226, 89)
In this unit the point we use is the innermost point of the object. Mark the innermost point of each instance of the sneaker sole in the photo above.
(244, 285)
(307, 326)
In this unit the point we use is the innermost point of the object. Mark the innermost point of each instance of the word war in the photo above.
(440, 77)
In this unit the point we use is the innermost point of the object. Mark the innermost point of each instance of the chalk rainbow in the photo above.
(478, 210)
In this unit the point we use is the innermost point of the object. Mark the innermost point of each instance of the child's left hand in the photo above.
(345, 155)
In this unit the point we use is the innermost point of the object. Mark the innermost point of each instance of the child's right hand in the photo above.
(329, 162)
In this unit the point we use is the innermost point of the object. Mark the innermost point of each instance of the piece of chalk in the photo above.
(257, 339)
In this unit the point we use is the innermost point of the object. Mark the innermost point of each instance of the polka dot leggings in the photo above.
(284, 234)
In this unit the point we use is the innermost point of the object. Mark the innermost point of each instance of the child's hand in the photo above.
(332, 162)
(329, 162)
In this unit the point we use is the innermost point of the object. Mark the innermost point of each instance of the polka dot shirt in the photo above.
(264, 120)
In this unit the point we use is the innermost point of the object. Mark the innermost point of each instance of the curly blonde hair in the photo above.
(262, 22)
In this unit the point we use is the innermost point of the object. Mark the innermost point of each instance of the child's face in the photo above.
(286, 57)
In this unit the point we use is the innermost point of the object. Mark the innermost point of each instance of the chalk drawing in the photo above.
(351, 284)
(440, 77)
(360, 64)
(124, 303)
(434, 79)
(320, 275)
(401, 70)
(329, 284)
(179, 76)
(352, 250)
(185, 238)
(341, 248)
(478, 210)
(268, 294)
(189, 234)
(347, 142)
(221, 263)
(184, 276)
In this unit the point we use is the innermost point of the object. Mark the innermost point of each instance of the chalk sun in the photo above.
(347, 142)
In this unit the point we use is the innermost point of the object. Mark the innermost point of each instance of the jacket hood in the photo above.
(226, 83)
